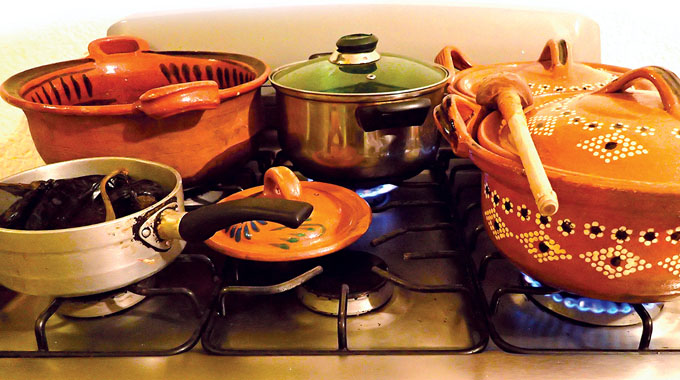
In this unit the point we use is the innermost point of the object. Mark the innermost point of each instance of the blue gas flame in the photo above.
(589, 305)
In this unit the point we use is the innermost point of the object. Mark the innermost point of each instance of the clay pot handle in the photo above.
(177, 98)
(510, 93)
(281, 182)
(453, 60)
(556, 55)
(456, 118)
(101, 48)
(665, 82)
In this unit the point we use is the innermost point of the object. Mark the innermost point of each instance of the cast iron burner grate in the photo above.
(256, 315)
(194, 297)
(367, 290)
(506, 313)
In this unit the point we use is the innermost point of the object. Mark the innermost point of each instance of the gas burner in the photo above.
(99, 305)
(590, 311)
(367, 290)
(376, 196)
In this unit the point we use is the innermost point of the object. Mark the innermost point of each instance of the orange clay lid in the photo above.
(340, 217)
(553, 73)
(630, 137)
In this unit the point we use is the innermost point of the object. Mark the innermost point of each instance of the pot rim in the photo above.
(359, 97)
(177, 188)
(9, 90)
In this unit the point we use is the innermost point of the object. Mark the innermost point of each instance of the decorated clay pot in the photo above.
(194, 111)
(340, 217)
(611, 157)
(554, 72)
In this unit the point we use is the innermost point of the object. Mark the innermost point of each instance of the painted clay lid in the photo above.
(553, 73)
(340, 217)
(615, 135)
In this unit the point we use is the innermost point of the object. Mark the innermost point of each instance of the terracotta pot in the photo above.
(340, 217)
(554, 72)
(194, 111)
(611, 157)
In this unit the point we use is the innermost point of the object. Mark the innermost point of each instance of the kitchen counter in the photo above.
(489, 365)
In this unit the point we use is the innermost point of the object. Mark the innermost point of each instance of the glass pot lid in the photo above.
(615, 133)
(357, 68)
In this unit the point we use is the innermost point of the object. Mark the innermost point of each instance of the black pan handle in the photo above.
(201, 224)
(393, 115)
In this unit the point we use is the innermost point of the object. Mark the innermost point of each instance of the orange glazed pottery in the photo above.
(554, 72)
(194, 111)
(612, 158)
(340, 217)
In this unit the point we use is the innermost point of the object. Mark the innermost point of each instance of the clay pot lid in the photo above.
(340, 217)
(614, 135)
(553, 73)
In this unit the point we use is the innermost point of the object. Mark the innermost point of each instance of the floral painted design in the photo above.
(621, 234)
(566, 227)
(245, 230)
(673, 235)
(592, 126)
(523, 213)
(615, 262)
(648, 237)
(618, 127)
(644, 130)
(594, 230)
(543, 221)
(507, 206)
(487, 190)
(676, 133)
(495, 199)
(298, 234)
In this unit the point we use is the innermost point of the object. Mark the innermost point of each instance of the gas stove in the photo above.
(433, 298)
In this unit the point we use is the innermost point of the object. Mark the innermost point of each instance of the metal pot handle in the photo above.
(101, 48)
(178, 98)
(457, 120)
(201, 224)
(393, 115)
(665, 82)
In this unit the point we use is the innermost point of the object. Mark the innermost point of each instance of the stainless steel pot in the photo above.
(357, 116)
(107, 256)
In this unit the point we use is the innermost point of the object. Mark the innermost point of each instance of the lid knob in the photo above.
(355, 49)
(357, 43)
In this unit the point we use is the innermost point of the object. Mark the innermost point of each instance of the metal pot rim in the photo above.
(359, 97)
(121, 220)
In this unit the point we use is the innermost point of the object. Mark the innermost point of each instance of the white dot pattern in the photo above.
(542, 247)
(615, 262)
(612, 147)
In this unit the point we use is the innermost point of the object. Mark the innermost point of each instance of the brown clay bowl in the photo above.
(194, 111)
(611, 157)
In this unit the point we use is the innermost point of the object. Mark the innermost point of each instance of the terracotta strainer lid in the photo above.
(554, 72)
(613, 134)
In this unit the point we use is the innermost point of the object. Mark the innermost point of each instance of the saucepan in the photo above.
(106, 256)
(359, 116)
